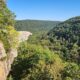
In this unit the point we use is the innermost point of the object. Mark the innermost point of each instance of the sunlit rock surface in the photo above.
(24, 35)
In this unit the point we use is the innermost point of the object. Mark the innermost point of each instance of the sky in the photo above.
(58, 10)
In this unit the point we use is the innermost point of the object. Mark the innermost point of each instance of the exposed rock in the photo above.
(6, 59)
(24, 35)
(2, 51)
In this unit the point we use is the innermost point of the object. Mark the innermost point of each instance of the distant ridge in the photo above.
(35, 25)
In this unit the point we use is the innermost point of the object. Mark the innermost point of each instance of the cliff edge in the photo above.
(6, 59)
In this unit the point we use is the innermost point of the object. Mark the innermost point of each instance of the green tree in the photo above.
(8, 35)
(71, 71)
(36, 63)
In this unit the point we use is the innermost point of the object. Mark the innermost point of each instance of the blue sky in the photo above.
(59, 10)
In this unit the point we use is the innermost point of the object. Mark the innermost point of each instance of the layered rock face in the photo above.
(6, 59)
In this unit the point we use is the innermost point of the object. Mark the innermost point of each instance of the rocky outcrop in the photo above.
(6, 59)
(24, 35)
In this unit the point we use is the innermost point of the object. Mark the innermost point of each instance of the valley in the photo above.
(60, 44)
(39, 49)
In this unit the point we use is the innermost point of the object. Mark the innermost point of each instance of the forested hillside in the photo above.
(67, 34)
(65, 41)
(35, 26)
(54, 56)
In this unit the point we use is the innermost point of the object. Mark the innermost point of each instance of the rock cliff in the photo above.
(6, 59)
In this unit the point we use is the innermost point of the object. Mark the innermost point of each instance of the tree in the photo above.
(71, 71)
(8, 35)
(36, 63)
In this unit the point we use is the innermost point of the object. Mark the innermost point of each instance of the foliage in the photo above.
(8, 35)
(66, 36)
(36, 63)
(35, 26)
(6, 16)
(71, 72)
(55, 56)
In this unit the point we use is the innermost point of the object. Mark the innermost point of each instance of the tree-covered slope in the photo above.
(35, 26)
(56, 57)
(66, 39)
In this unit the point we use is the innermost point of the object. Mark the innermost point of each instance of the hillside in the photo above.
(68, 30)
(35, 26)
(54, 56)
(66, 39)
